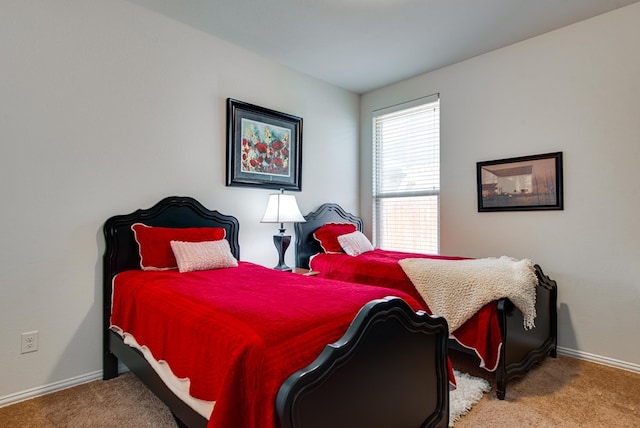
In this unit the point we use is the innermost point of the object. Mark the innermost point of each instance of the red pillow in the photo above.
(155, 243)
(328, 234)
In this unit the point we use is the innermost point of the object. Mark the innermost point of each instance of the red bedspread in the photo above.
(380, 267)
(246, 329)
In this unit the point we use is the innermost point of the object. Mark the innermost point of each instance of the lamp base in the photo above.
(282, 243)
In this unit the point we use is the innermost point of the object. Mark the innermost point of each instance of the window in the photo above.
(406, 176)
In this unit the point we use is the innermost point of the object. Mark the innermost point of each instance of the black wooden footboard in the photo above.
(388, 370)
(521, 348)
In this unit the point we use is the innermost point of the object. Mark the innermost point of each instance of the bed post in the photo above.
(109, 360)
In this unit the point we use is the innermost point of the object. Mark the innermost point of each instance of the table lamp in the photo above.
(282, 209)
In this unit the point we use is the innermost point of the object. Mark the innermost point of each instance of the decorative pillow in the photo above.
(192, 256)
(154, 242)
(328, 234)
(355, 243)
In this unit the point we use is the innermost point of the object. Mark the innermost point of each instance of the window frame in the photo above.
(378, 196)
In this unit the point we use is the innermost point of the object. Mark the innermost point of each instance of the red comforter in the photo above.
(246, 329)
(380, 267)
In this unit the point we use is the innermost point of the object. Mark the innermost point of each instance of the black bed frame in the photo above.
(389, 369)
(521, 349)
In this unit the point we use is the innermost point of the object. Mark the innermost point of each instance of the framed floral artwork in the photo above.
(264, 147)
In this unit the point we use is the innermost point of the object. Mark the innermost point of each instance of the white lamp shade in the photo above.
(282, 208)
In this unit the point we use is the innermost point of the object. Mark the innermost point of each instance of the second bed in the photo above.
(496, 333)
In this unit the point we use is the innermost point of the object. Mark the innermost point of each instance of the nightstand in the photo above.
(305, 272)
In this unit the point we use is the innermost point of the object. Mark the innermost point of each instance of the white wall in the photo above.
(106, 107)
(574, 90)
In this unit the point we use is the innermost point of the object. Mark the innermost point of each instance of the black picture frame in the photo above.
(264, 147)
(526, 183)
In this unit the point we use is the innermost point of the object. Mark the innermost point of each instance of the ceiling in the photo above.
(361, 45)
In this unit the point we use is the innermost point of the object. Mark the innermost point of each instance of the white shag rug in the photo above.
(468, 392)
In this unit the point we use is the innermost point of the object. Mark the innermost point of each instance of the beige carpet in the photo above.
(123, 402)
(562, 392)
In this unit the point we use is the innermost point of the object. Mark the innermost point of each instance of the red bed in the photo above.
(251, 338)
(380, 267)
(495, 333)
(254, 340)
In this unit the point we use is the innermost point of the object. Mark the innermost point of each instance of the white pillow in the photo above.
(355, 243)
(192, 256)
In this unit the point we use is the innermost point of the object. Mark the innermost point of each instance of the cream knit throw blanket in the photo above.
(457, 289)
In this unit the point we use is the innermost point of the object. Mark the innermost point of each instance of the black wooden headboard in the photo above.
(306, 244)
(122, 253)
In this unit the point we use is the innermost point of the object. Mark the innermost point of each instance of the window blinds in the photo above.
(406, 175)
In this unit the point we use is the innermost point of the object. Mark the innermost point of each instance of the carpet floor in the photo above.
(561, 392)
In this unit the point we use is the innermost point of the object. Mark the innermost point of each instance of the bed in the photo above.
(496, 333)
(373, 360)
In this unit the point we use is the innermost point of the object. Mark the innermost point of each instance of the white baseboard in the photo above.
(47, 389)
(618, 364)
(56, 386)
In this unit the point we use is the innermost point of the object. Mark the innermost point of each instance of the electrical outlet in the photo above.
(29, 342)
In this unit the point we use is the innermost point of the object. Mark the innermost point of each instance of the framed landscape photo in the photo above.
(264, 147)
(525, 183)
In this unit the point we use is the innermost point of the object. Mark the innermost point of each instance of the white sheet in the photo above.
(179, 386)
